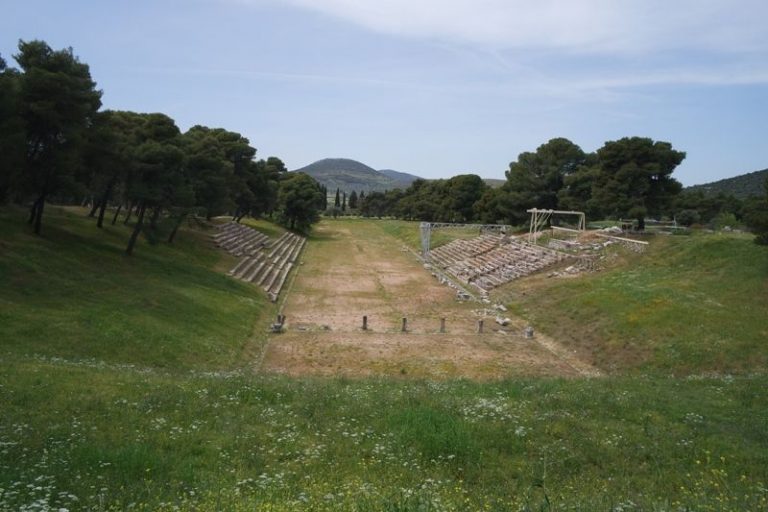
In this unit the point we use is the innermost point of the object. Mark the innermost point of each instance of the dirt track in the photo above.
(353, 268)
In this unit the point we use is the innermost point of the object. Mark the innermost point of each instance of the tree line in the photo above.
(56, 144)
(630, 178)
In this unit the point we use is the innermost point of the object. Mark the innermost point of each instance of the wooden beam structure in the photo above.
(539, 219)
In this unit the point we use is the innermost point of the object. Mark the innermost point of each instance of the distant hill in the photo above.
(743, 186)
(348, 175)
(494, 182)
(400, 177)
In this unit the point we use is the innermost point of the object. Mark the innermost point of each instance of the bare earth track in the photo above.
(353, 268)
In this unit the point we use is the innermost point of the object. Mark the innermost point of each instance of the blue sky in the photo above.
(431, 87)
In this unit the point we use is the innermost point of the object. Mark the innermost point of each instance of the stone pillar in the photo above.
(442, 325)
(480, 327)
(405, 325)
(528, 332)
(365, 322)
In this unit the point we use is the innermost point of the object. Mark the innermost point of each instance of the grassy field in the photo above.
(690, 304)
(408, 233)
(98, 437)
(129, 384)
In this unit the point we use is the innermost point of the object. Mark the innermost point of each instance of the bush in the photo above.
(724, 220)
(688, 217)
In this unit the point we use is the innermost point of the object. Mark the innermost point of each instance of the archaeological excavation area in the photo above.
(362, 304)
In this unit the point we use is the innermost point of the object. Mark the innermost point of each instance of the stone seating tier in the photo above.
(263, 261)
(486, 263)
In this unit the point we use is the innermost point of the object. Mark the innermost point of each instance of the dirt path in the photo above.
(353, 268)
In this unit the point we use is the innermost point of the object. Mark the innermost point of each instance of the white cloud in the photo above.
(604, 26)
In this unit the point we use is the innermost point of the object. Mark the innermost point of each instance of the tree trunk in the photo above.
(103, 202)
(129, 212)
(176, 228)
(102, 207)
(39, 214)
(136, 229)
(641, 223)
(95, 207)
(117, 213)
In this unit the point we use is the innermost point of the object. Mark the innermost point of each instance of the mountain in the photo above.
(741, 187)
(400, 177)
(348, 175)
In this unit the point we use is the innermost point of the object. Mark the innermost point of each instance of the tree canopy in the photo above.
(299, 200)
(56, 145)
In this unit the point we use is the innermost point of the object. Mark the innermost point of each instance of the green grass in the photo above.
(233, 441)
(692, 304)
(266, 227)
(73, 293)
(408, 233)
(128, 384)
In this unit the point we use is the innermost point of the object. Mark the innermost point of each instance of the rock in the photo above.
(502, 321)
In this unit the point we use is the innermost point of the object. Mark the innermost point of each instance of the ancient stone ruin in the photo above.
(263, 261)
(490, 260)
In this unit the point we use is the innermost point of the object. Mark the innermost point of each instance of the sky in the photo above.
(432, 87)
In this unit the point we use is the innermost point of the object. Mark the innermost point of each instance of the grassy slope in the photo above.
(690, 304)
(73, 293)
(111, 436)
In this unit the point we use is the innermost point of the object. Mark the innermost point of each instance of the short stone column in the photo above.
(480, 327)
(404, 328)
(442, 325)
(365, 322)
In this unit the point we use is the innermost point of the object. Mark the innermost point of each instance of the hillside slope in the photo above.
(402, 178)
(689, 305)
(741, 187)
(73, 293)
